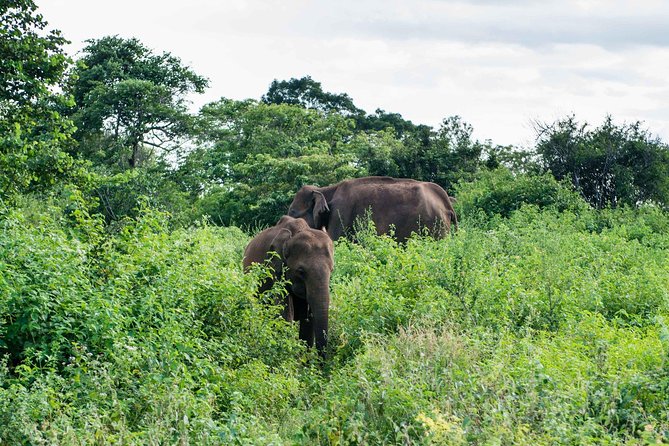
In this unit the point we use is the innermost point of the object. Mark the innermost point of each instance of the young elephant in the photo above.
(305, 257)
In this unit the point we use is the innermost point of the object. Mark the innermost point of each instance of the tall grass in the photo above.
(545, 327)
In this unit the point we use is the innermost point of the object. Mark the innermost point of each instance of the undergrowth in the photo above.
(545, 327)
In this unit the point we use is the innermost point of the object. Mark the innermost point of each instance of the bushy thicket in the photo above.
(546, 327)
(501, 192)
(148, 336)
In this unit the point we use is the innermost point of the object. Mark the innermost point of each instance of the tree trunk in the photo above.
(135, 155)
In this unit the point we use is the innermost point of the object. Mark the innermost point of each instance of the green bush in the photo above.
(501, 192)
(544, 327)
(122, 194)
(145, 335)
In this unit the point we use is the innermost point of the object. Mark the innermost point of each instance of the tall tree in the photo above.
(32, 132)
(443, 156)
(609, 165)
(254, 156)
(130, 101)
(382, 120)
(454, 155)
(308, 93)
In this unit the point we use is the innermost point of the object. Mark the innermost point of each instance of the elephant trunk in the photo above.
(318, 297)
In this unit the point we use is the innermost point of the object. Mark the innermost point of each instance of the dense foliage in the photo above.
(125, 317)
(610, 165)
(251, 145)
(33, 134)
(546, 327)
(129, 101)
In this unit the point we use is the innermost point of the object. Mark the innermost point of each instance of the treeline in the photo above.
(114, 125)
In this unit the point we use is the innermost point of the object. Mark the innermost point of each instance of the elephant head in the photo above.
(306, 260)
(310, 204)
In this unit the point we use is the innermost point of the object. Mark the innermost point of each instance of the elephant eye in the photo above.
(300, 270)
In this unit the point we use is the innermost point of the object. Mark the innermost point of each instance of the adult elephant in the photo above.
(405, 204)
(305, 257)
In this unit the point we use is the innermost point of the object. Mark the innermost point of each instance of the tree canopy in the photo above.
(308, 93)
(130, 102)
(33, 133)
(609, 165)
(253, 156)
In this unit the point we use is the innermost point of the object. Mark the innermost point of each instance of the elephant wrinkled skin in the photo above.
(305, 258)
(405, 204)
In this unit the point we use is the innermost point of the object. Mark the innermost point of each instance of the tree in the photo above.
(444, 156)
(376, 152)
(130, 101)
(382, 120)
(33, 133)
(308, 93)
(453, 154)
(517, 160)
(253, 156)
(610, 165)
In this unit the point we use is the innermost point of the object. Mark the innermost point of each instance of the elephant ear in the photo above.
(321, 210)
(278, 245)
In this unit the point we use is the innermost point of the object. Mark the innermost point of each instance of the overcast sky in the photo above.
(498, 64)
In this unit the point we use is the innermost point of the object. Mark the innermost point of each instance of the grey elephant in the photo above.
(405, 204)
(305, 257)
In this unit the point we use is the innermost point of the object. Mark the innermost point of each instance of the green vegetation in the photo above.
(129, 102)
(546, 327)
(33, 134)
(125, 317)
(610, 165)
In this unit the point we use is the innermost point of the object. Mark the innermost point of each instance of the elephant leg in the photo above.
(336, 226)
(306, 324)
(307, 331)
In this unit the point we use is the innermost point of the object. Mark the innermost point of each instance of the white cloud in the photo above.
(498, 64)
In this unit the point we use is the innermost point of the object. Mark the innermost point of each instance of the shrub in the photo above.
(500, 192)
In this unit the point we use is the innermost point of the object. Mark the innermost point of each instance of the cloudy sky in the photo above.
(499, 64)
